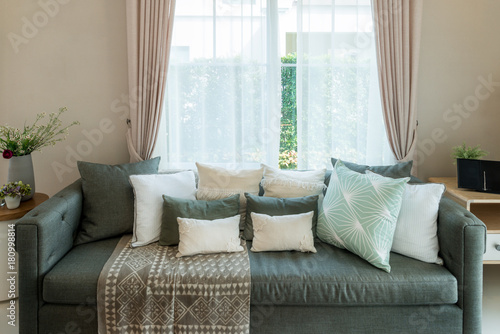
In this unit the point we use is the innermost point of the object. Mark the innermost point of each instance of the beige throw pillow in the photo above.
(197, 236)
(282, 233)
(217, 182)
(287, 184)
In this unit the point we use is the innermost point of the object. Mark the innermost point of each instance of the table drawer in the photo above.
(492, 241)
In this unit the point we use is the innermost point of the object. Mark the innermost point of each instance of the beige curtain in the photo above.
(397, 34)
(149, 35)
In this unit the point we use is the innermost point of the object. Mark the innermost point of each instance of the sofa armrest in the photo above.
(462, 244)
(43, 237)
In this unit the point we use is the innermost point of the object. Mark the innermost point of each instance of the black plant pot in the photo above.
(480, 175)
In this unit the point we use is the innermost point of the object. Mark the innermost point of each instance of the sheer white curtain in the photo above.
(223, 92)
(338, 99)
(223, 98)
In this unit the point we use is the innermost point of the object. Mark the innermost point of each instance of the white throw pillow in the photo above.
(281, 233)
(286, 184)
(197, 236)
(217, 182)
(148, 201)
(416, 227)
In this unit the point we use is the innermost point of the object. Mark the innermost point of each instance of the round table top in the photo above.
(24, 208)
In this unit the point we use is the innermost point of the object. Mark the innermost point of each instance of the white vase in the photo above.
(21, 169)
(12, 202)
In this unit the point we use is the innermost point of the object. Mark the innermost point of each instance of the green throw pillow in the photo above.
(274, 206)
(360, 212)
(174, 207)
(108, 198)
(399, 170)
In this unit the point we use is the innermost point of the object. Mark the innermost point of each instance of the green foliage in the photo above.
(288, 136)
(288, 160)
(467, 152)
(15, 142)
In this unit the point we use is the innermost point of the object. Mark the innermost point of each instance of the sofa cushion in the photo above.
(292, 183)
(200, 236)
(73, 280)
(399, 170)
(334, 276)
(174, 207)
(359, 213)
(148, 201)
(279, 207)
(416, 229)
(217, 183)
(283, 233)
(108, 198)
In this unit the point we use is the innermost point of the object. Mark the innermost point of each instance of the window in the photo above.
(282, 82)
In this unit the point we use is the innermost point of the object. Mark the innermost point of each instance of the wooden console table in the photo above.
(485, 206)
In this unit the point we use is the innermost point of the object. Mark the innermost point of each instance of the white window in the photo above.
(282, 82)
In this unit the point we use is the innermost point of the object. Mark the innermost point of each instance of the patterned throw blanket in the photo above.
(148, 290)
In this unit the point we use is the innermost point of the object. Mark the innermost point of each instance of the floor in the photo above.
(491, 299)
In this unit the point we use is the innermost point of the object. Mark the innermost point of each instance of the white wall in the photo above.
(460, 45)
(74, 55)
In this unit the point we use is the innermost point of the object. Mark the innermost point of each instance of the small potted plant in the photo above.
(466, 158)
(12, 193)
(467, 152)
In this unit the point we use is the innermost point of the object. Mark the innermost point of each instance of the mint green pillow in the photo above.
(108, 198)
(360, 212)
(174, 207)
(399, 170)
(274, 206)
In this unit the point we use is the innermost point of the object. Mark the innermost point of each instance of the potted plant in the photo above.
(468, 166)
(467, 152)
(12, 193)
(18, 144)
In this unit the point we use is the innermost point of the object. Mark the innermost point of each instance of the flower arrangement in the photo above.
(13, 189)
(466, 152)
(14, 142)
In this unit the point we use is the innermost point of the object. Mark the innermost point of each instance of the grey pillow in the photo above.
(397, 171)
(108, 198)
(174, 207)
(274, 206)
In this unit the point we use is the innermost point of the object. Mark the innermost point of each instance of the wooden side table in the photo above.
(8, 262)
(485, 206)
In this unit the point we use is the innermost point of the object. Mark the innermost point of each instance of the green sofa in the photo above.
(333, 291)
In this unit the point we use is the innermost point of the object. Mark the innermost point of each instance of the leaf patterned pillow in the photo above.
(360, 212)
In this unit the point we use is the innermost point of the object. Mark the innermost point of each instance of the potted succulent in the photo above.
(12, 193)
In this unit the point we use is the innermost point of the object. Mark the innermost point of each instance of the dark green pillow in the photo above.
(108, 198)
(174, 207)
(397, 171)
(274, 206)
